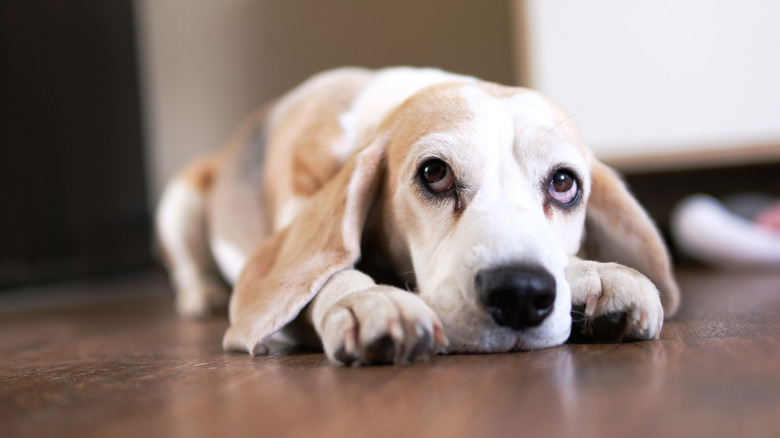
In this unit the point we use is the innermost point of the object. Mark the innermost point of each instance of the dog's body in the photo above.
(482, 199)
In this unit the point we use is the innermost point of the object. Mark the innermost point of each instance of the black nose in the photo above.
(517, 296)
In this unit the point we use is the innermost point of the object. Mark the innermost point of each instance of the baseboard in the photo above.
(699, 158)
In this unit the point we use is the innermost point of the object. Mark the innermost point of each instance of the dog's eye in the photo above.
(437, 175)
(563, 187)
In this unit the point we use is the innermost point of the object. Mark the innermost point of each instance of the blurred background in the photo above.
(102, 100)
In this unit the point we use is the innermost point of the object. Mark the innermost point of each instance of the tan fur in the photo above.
(619, 230)
(302, 215)
(200, 173)
(304, 136)
(269, 294)
(236, 188)
(181, 232)
(419, 116)
(499, 91)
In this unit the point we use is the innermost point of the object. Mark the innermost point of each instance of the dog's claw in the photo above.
(613, 303)
(342, 356)
(590, 304)
(420, 348)
(381, 325)
(380, 351)
(609, 327)
(440, 336)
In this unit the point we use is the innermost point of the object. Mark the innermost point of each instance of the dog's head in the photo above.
(484, 201)
(478, 193)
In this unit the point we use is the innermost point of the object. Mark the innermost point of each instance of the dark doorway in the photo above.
(71, 153)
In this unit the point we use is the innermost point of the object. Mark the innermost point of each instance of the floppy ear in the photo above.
(617, 229)
(289, 268)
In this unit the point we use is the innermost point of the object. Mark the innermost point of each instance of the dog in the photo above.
(391, 215)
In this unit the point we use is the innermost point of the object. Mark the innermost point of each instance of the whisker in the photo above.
(406, 282)
(577, 316)
(564, 120)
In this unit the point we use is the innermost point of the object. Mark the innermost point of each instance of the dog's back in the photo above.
(217, 209)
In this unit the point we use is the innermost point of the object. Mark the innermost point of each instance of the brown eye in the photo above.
(563, 187)
(437, 175)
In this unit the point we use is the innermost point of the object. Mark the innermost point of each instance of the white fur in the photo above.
(230, 259)
(179, 215)
(289, 211)
(386, 91)
(503, 223)
(181, 228)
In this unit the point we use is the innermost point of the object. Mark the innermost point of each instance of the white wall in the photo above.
(659, 77)
(199, 69)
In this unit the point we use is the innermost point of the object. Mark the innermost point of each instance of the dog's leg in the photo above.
(361, 322)
(182, 235)
(612, 302)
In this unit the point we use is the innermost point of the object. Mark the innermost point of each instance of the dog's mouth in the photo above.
(513, 307)
(479, 333)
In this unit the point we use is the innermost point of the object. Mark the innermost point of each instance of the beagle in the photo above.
(392, 215)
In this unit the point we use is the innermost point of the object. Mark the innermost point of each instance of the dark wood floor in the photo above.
(109, 359)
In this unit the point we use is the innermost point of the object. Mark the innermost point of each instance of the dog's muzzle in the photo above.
(516, 296)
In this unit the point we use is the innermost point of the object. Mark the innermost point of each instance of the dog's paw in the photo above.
(381, 325)
(199, 295)
(612, 302)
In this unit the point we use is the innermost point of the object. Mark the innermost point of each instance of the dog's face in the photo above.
(485, 196)
(475, 192)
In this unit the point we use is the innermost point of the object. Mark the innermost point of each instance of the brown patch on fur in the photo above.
(301, 141)
(285, 272)
(313, 162)
(200, 173)
(500, 91)
(439, 108)
(548, 210)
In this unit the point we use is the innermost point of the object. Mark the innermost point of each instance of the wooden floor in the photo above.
(109, 359)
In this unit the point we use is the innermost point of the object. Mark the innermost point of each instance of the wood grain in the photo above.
(110, 359)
